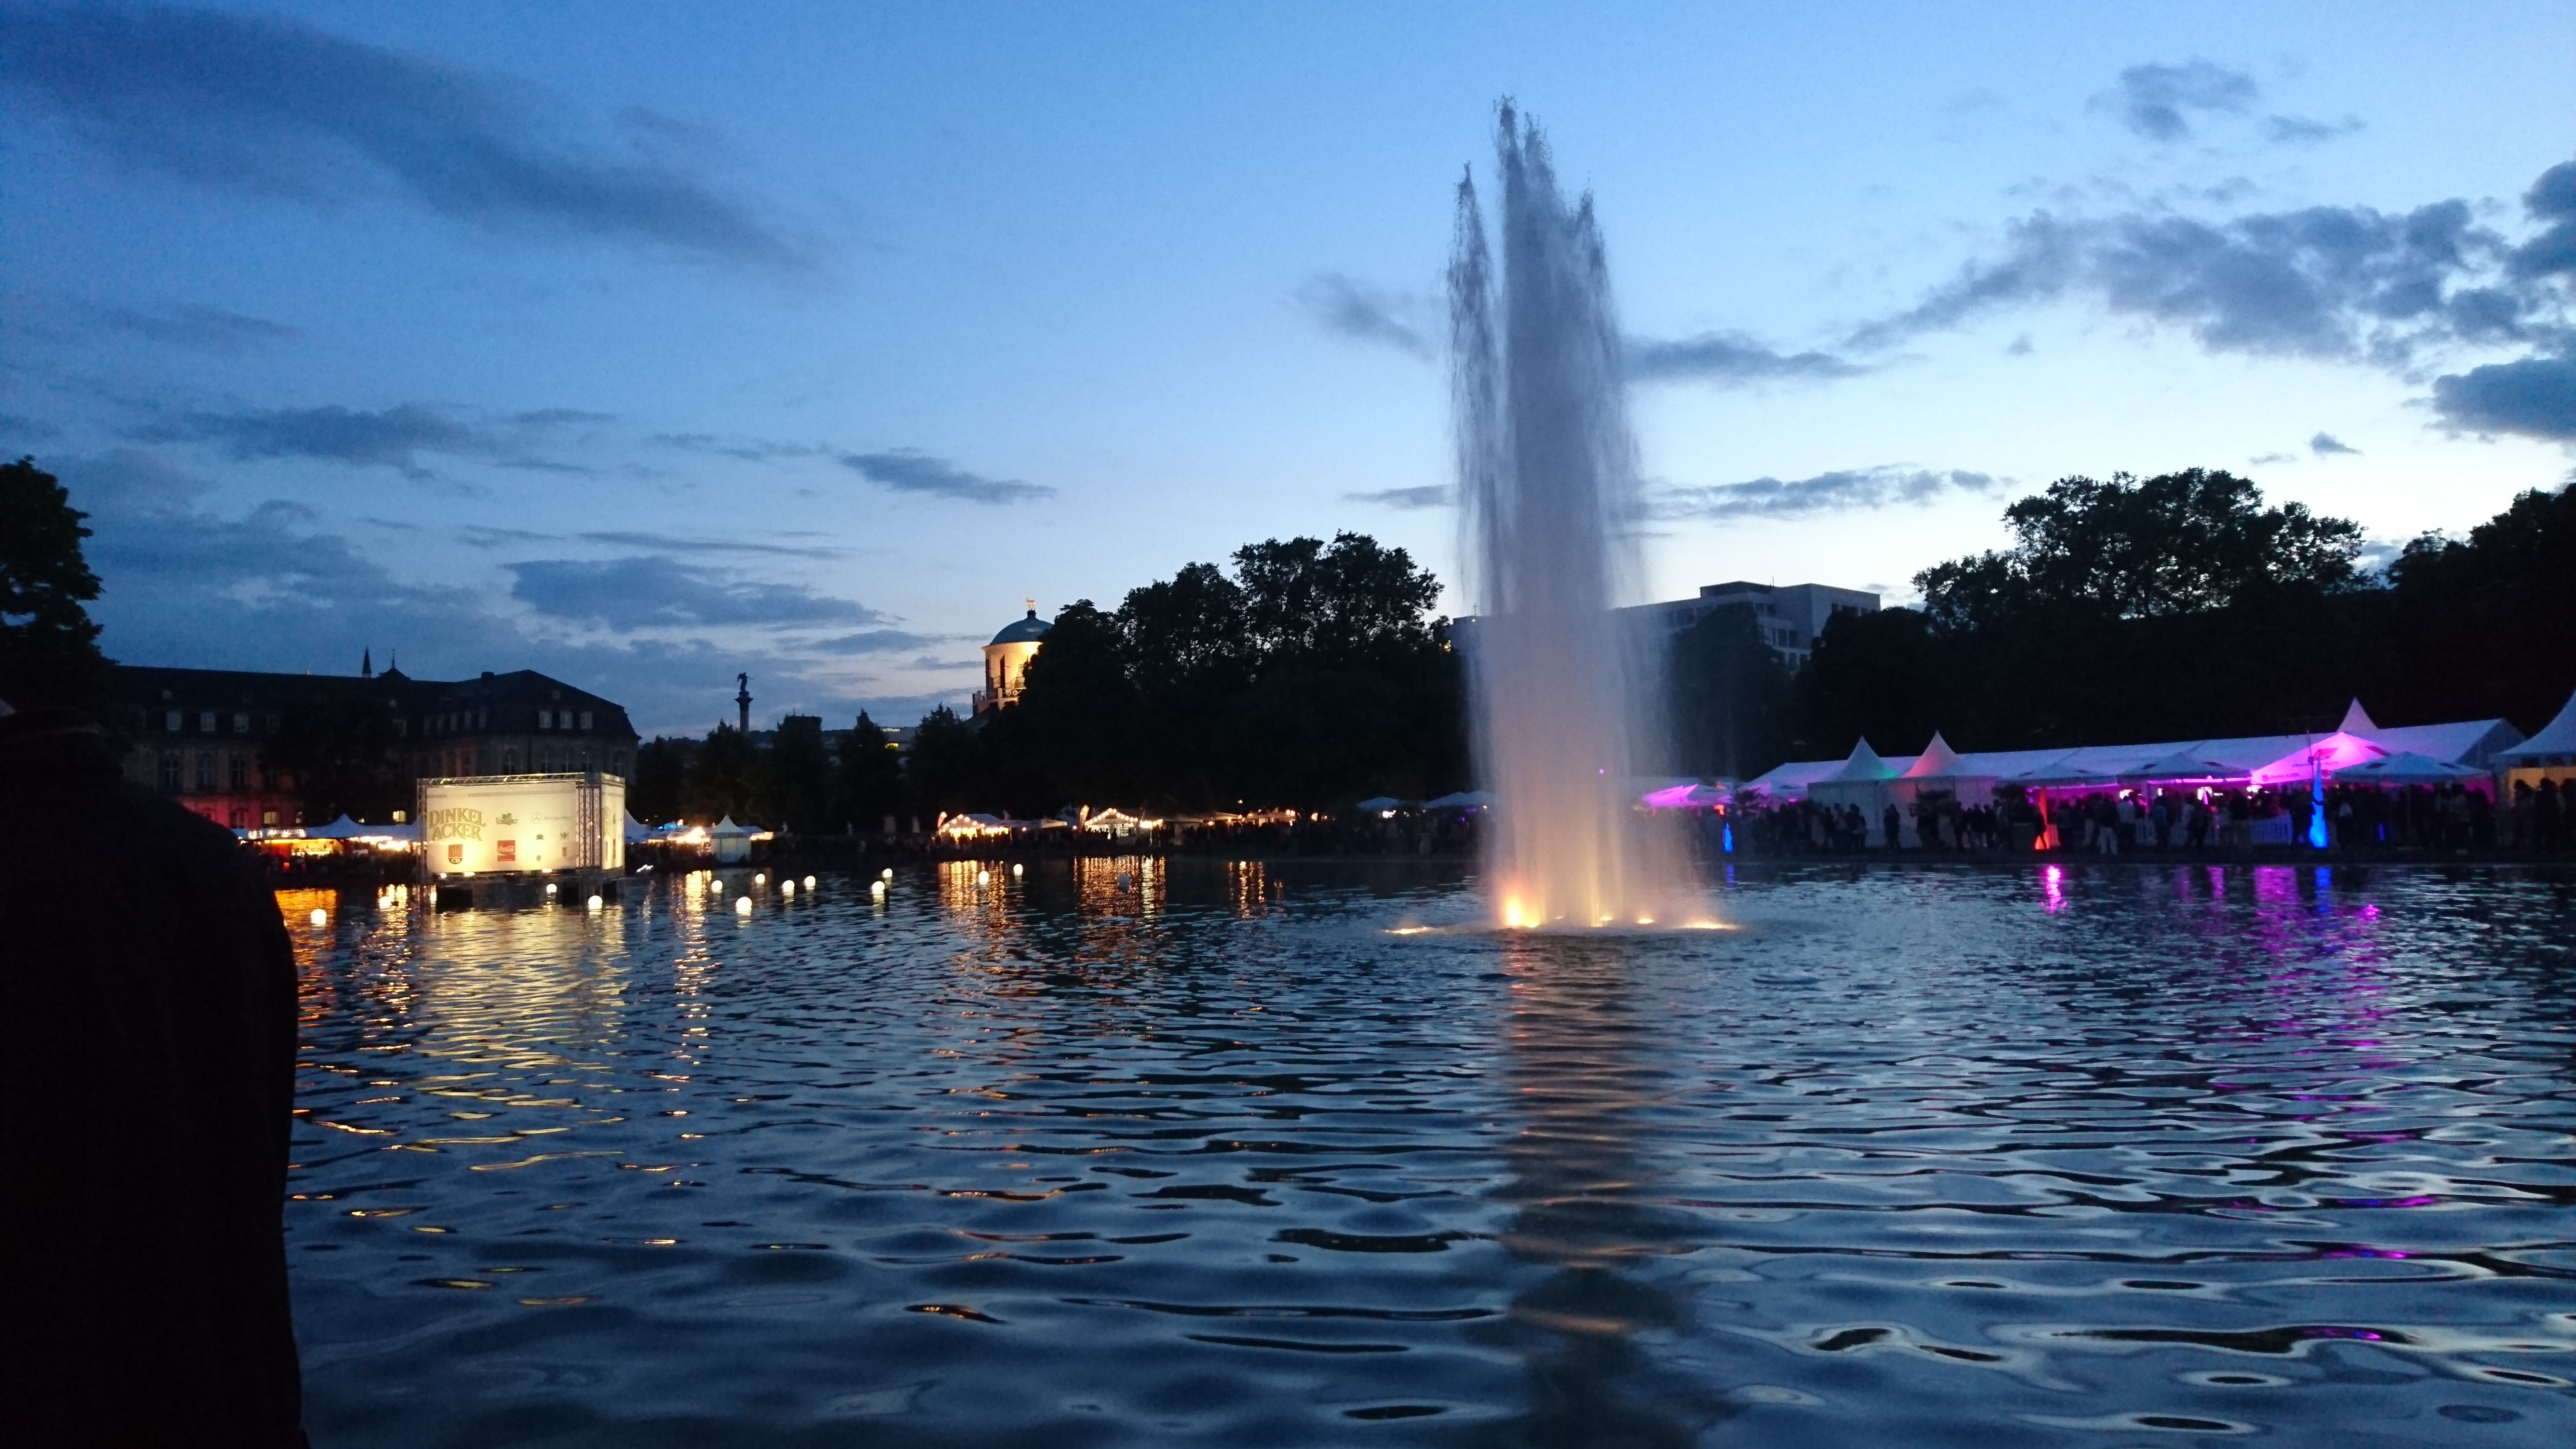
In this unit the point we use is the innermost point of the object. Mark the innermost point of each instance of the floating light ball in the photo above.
(983, 877)
(809, 882)
(1016, 870)
(594, 903)
(761, 879)
(550, 887)
(886, 874)
(787, 888)
(320, 916)
(742, 907)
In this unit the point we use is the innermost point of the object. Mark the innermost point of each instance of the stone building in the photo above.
(1006, 660)
(204, 737)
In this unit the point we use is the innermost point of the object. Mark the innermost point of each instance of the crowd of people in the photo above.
(2445, 817)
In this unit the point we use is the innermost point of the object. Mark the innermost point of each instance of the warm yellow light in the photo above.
(1645, 920)
(787, 888)
(320, 916)
(761, 879)
(876, 888)
(886, 874)
(809, 882)
(594, 903)
(1512, 914)
(1015, 871)
(550, 887)
(983, 877)
(1408, 930)
(742, 907)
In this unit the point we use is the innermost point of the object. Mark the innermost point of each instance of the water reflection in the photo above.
(1586, 1064)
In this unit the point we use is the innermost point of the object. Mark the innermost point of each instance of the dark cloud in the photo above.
(2307, 130)
(393, 437)
(211, 328)
(1837, 492)
(1433, 495)
(2326, 444)
(2551, 202)
(661, 592)
(2153, 100)
(1729, 359)
(906, 470)
(1363, 313)
(2533, 396)
(672, 543)
(750, 450)
(15, 429)
(273, 107)
(2324, 282)
(558, 418)
(880, 641)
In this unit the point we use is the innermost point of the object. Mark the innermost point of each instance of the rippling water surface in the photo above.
(2111, 1155)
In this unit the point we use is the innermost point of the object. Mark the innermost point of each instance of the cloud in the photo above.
(2343, 283)
(881, 641)
(750, 450)
(649, 591)
(2306, 130)
(2532, 396)
(2551, 201)
(15, 428)
(393, 437)
(1836, 492)
(186, 325)
(2264, 460)
(276, 108)
(2326, 444)
(1435, 495)
(2152, 100)
(1354, 309)
(907, 470)
(1729, 359)
(672, 543)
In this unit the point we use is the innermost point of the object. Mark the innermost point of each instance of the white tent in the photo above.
(637, 832)
(1380, 802)
(1937, 762)
(1462, 800)
(733, 842)
(343, 828)
(2554, 745)
(2404, 768)
(2181, 767)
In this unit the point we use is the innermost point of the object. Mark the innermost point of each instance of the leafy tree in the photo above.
(869, 785)
(661, 780)
(2176, 543)
(2490, 620)
(49, 651)
(724, 777)
(947, 764)
(795, 776)
(1734, 703)
(344, 758)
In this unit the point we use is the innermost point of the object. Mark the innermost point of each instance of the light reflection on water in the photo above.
(1206, 1154)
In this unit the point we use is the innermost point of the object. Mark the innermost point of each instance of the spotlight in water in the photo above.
(983, 877)
(761, 879)
(320, 916)
(742, 906)
(787, 888)
(1016, 871)
(886, 874)
(594, 903)
(876, 888)
(809, 882)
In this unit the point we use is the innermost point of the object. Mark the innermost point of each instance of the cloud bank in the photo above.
(657, 591)
(1435, 495)
(275, 108)
(2154, 100)
(907, 470)
(1363, 313)
(1843, 491)
(1729, 359)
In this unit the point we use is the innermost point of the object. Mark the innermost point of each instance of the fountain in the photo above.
(1548, 491)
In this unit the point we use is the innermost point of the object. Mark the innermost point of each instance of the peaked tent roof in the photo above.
(1863, 764)
(727, 827)
(2181, 765)
(1462, 800)
(1938, 761)
(343, 828)
(2403, 769)
(2356, 721)
(2558, 737)
(1379, 802)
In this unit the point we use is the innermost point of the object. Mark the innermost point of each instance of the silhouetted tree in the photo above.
(947, 771)
(1734, 702)
(49, 651)
(723, 777)
(869, 784)
(795, 776)
(655, 794)
(341, 752)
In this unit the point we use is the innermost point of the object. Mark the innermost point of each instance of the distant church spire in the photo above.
(367, 664)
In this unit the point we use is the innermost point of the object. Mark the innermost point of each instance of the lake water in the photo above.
(2017, 1156)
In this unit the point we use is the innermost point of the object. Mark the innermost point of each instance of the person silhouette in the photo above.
(145, 1108)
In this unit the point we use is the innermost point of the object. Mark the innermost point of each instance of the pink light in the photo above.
(2051, 882)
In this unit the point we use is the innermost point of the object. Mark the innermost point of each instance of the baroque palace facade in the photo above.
(203, 737)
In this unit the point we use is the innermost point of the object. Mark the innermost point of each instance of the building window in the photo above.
(545, 759)
(241, 820)
(545, 719)
(585, 757)
(206, 771)
(509, 762)
(241, 772)
(171, 722)
(241, 724)
(268, 817)
(170, 771)
(585, 719)
(617, 762)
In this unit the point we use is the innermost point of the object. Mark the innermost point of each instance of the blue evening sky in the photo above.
(645, 343)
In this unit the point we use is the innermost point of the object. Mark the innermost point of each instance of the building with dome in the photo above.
(1006, 660)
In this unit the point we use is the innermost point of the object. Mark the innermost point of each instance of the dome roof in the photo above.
(1024, 631)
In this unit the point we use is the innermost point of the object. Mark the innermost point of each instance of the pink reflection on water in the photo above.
(2053, 883)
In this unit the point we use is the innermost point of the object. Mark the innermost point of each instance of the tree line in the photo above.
(1307, 673)
(2171, 607)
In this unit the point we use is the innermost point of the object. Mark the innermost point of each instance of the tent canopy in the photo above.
(726, 827)
(2405, 768)
(2182, 765)
(1863, 764)
(343, 828)
(2556, 738)
(1462, 800)
(1380, 802)
(1937, 762)
(1690, 795)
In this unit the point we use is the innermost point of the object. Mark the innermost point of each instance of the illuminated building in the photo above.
(1006, 660)
(206, 737)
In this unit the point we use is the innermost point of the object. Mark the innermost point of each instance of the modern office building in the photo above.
(1791, 616)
